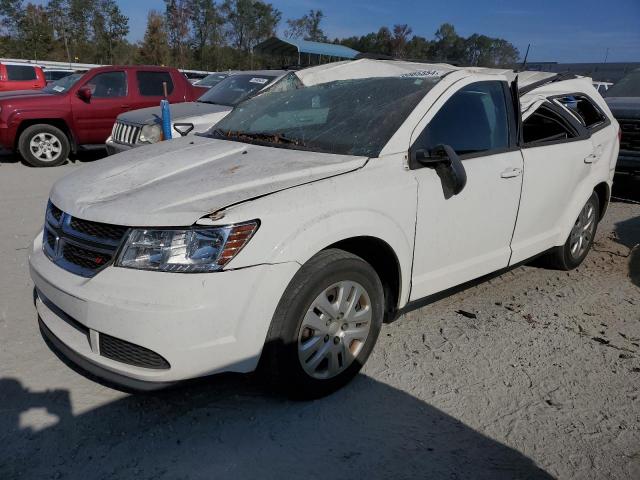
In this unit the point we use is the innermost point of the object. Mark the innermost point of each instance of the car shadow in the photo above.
(83, 156)
(626, 188)
(228, 427)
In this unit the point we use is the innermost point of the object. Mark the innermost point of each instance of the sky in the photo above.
(560, 30)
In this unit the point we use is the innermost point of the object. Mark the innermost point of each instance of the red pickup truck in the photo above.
(79, 110)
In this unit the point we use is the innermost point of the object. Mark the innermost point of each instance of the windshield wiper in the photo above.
(263, 137)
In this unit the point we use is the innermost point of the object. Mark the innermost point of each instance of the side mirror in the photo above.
(84, 94)
(448, 166)
(183, 128)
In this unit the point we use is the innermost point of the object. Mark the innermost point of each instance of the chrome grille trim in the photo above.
(89, 249)
(125, 133)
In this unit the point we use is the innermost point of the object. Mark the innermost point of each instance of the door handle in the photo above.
(593, 158)
(125, 106)
(511, 173)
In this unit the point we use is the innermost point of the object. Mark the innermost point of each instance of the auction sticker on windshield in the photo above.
(261, 81)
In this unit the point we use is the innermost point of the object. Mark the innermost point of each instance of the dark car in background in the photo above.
(623, 99)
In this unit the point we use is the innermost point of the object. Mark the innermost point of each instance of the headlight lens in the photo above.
(194, 250)
(151, 134)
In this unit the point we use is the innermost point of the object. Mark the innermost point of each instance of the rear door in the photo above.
(110, 97)
(20, 77)
(149, 86)
(556, 151)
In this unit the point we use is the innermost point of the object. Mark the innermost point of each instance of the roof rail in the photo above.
(556, 78)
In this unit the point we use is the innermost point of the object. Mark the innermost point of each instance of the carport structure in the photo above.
(304, 52)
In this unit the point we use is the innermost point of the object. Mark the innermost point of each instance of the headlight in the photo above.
(193, 250)
(151, 134)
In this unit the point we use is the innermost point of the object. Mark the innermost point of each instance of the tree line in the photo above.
(209, 35)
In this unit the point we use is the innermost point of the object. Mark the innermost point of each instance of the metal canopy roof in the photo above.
(289, 46)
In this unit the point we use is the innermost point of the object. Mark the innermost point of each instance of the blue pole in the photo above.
(166, 119)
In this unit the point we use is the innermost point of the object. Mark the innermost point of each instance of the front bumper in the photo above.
(200, 323)
(115, 147)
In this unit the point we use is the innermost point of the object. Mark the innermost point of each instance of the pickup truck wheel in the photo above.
(325, 326)
(583, 232)
(44, 146)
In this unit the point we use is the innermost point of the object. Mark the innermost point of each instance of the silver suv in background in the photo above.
(143, 127)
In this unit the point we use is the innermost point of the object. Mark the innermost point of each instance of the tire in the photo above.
(583, 232)
(44, 145)
(309, 353)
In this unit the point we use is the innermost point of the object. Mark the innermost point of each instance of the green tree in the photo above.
(206, 26)
(177, 21)
(154, 49)
(35, 33)
(110, 27)
(249, 22)
(449, 46)
(307, 27)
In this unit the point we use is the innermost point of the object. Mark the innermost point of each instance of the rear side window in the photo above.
(545, 126)
(20, 72)
(473, 120)
(150, 83)
(583, 109)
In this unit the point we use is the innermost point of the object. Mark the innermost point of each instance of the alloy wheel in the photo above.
(45, 147)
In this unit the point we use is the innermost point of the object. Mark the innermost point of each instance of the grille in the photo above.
(125, 352)
(56, 213)
(84, 258)
(80, 246)
(95, 229)
(125, 133)
(630, 134)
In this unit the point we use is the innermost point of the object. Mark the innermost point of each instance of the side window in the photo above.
(473, 120)
(544, 126)
(21, 73)
(150, 83)
(583, 109)
(108, 85)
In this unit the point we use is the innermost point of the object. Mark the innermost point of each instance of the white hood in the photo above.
(175, 183)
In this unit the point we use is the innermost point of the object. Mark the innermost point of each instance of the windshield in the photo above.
(349, 117)
(236, 88)
(62, 85)
(629, 86)
(212, 80)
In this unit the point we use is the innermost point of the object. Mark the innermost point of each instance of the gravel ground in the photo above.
(538, 377)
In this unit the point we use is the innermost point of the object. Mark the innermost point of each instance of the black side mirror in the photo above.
(447, 164)
(183, 128)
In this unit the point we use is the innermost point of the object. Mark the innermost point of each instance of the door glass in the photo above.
(543, 126)
(21, 72)
(150, 83)
(473, 120)
(108, 85)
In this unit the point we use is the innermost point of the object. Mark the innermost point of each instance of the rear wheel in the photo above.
(577, 246)
(325, 326)
(44, 145)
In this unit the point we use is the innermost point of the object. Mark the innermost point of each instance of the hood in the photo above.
(624, 107)
(23, 93)
(179, 111)
(174, 183)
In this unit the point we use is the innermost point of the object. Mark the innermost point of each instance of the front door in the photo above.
(94, 119)
(468, 235)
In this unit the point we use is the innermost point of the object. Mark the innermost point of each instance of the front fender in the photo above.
(376, 201)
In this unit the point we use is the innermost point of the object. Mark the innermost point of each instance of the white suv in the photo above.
(287, 234)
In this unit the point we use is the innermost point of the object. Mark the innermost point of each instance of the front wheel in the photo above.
(583, 232)
(325, 325)
(43, 145)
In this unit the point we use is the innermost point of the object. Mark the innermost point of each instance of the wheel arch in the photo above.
(381, 256)
(604, 195)
(55, 122)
